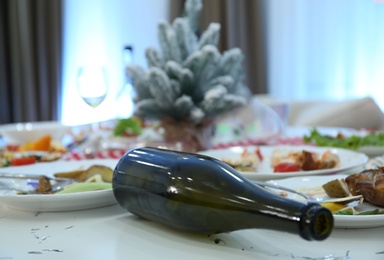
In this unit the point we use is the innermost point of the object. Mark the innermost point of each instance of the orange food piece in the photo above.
(42, 144)
(26, 147)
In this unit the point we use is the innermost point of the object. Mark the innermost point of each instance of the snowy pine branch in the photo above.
(188, 78)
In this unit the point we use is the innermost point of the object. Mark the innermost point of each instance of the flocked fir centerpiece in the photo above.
(188, 82)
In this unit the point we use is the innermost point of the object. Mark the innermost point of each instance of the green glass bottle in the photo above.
(201, 194)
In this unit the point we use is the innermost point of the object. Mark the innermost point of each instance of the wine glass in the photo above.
(92, 87)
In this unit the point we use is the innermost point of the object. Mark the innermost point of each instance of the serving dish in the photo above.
(54, 202)
(20, 133)
(350, 161)
(309, 183)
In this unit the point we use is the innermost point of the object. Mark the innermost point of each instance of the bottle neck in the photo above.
(316, 223)
(311, 221)
(270, 211)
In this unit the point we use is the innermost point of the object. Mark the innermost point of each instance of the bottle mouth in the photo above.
(317, 223)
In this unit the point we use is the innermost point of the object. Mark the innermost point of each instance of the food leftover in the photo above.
(96, 177)
(42, 150)
(287, 161)
(248, 161)
(284, 160)
(368, 183)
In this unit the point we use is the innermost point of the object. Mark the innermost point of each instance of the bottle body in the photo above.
(200, 194)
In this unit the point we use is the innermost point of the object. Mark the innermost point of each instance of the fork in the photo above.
(310, 199)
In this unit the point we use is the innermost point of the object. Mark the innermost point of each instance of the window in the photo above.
(326, 49)
(95, 33)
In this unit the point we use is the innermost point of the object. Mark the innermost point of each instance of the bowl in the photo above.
(280, 106)
(21, 133)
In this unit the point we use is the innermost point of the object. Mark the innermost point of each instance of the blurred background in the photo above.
(295, 50)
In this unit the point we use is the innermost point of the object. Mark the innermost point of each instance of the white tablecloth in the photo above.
(112, 233)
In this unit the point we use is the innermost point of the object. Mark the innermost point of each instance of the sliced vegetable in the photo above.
(345, 211)
(23, 161)
(333, 206)
(372, 212)
(286, 167)
(85, 186)
(259, 154)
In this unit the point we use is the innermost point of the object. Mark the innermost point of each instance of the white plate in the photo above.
(341, 221)
(372, 151)
(350, 161)
(56, 202)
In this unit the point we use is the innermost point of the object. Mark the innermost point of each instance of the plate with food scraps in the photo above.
(260, 162)
(312, 186)
(82, 198)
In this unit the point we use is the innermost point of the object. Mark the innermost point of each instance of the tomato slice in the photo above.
(286, 167)
(22, 161)
(259, 154)
(12, 147)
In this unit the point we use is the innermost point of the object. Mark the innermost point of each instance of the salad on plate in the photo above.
(369, 142)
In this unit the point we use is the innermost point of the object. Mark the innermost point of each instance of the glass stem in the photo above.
(95, 127)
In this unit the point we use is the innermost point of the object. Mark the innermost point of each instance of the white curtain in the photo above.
(326, 49)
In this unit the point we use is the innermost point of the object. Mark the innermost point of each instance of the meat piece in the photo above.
(44, 185)
(81, 175)
(328, 160)
(369, 184)
(309, 162)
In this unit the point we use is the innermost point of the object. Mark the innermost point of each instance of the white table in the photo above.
(113, 233)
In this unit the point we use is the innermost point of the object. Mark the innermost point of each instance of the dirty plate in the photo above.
(54, 202)
(306, 184)
(350, 161)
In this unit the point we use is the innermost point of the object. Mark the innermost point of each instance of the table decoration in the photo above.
(189, 83)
